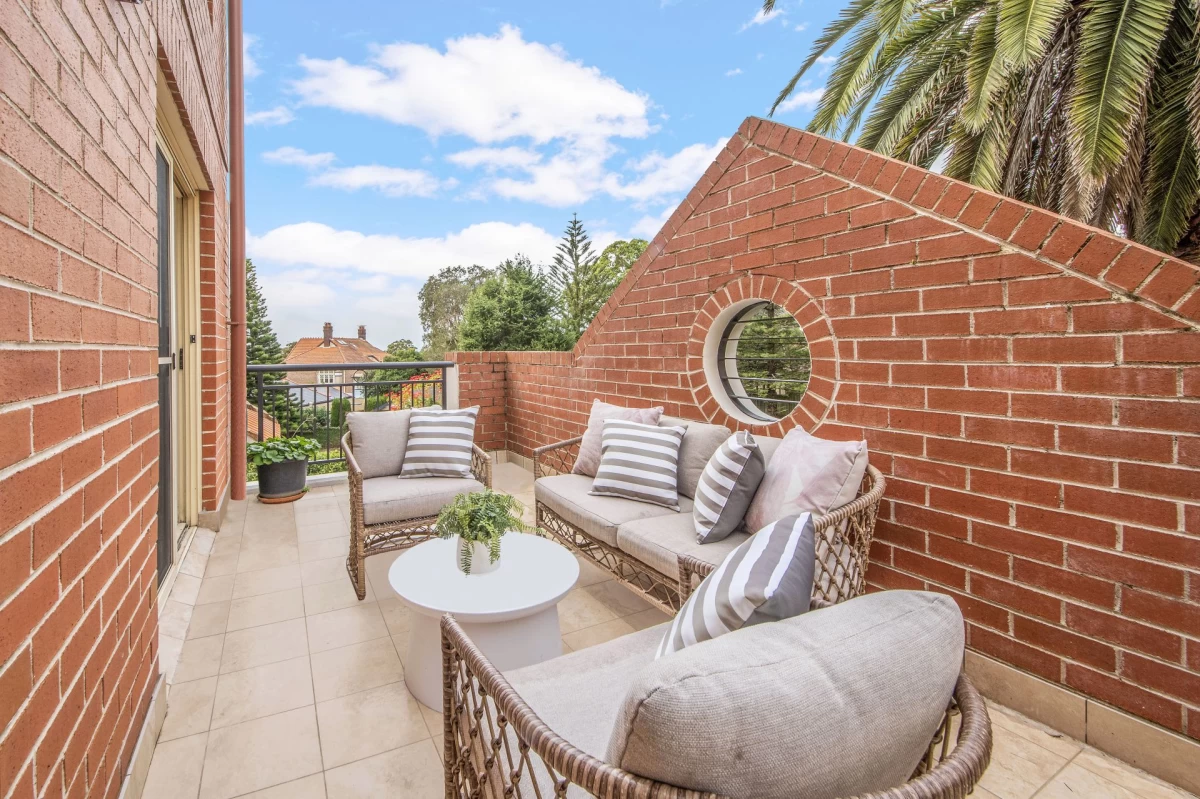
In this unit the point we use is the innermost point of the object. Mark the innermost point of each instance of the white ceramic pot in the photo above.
(477, 555)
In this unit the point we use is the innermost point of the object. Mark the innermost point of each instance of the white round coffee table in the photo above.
(511, 613)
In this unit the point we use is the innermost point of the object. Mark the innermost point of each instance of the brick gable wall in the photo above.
(1030, 387)
(78, 337)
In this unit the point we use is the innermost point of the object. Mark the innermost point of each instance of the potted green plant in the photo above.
(282, 465)
(478, 521)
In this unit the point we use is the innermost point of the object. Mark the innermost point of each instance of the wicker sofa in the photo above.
(641, 544)
(386, 512)
(815, 707)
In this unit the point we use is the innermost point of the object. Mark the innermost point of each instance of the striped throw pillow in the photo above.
(440, 443)
(639, 462)
(726, 487)
(768, 578)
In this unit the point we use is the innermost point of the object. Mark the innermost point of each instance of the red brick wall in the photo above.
(1030, 387)
(78, 415)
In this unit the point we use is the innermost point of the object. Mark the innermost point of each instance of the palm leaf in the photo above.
(1120, 40)
(1025, 28)
(850, 17)
(985, 72)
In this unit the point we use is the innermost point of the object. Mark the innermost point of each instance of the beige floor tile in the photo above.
(321, 532)
(1030, 730)
(566, 647)
(312, 787)
(266, 581)
(324, 597)
(200, 657)
(590, 636)
(185, 589)
(258, 646)
(618, 598)
(1018, 767)
(368, 723)
(433, 720)
(323, 571)
(259, 754)
(377, 573)
(256, 611)
(189, 708)
(1075, 781)
(579, 610)
(194, 563)
(344, 627)
(174, 619)
(175, 769)
(327, 515)
(590, 573)
(1125, 775)
(221, 564)
(215, 589)
(257, 558)
(208, 620)
(350, 669)
(262, 691)
(647, 618)
(169, 650)
(413, 771)
(227, 545)
(324, 548)
(397, 616)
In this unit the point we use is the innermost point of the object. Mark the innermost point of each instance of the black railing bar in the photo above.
(763, 358)
(342, 367)
(765, 399)
(768, 379)
(794, 340)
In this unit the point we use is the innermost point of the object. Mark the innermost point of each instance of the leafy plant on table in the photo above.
(481, 517)
(278, 450)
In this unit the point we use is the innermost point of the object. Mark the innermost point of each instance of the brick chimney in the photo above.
(362, 332)
(328, 335)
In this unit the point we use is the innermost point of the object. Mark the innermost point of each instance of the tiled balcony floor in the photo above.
(286, 687)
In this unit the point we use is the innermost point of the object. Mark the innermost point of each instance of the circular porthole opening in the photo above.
(757, 361)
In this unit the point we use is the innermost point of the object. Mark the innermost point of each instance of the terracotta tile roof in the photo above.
(341, 350)
(271, 428)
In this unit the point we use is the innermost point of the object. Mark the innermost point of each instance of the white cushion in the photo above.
(727, 487)
(440, 443)
(807, 474)
(567, 495)
(588, 459)
(639, 462)
(658, 542)
(394, 499)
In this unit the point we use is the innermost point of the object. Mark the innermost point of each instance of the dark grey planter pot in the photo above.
(284, 479)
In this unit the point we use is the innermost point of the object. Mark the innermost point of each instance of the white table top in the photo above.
(534, 574)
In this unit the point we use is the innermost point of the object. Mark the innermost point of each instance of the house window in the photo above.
(327, 378)
(763, 361)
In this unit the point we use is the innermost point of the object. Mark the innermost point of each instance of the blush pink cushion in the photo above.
(807, 475)
(589, 449)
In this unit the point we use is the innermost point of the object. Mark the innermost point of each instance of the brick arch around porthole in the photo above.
(821, 393)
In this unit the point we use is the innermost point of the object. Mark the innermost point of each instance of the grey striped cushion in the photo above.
(768, 578)
(439, 443)
(727, 486)
(640, 462)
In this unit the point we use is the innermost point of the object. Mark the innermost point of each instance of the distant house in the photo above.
(331, 352)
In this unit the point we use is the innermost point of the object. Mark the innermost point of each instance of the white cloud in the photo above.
(490, 88)
(648, 226)
(804, 98)
(570, 177)
(294, 156)
(296, 290)
(660, 175)
(763, 17)
(250, 68)
(729, 73)
(279, 115)
(803, 26)
(390, 180)
(312, 244)
(496, 158)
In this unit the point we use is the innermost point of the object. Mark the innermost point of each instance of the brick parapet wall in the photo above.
(78, 393)
(1029, 385)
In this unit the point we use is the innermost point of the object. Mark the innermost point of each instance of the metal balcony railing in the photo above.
(312, 400)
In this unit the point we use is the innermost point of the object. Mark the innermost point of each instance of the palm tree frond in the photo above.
(985, 72)
(1025, 28)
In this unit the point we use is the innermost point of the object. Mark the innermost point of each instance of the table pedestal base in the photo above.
(508, 645)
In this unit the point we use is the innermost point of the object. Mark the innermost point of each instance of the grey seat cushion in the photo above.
(567, 495)
(660, 540)
(699, 443)
(836, 702)
(380, 438)
(394, 499)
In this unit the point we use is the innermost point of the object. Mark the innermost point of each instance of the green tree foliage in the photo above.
(262, 345)
(581, 279)
(618, 258)
(443, 300)
(1089, 108)
(511, 310)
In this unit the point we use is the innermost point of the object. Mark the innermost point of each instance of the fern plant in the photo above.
(482, 517)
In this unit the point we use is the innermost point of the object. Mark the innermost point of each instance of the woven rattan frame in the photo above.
(372, 539)
(847, 531)
(493, 739)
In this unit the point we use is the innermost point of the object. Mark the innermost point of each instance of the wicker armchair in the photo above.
(494, 743)
(372, 539)
(843, 539)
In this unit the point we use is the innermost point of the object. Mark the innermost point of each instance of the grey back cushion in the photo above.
(699, 444)
(380, 438)
(767, 446)
(837, 702)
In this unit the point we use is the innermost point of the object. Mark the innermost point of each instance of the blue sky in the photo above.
(386, 140)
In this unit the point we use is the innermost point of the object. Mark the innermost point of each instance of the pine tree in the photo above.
(582, 280)
(262, 346)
